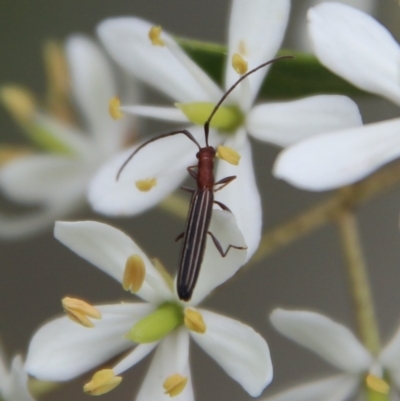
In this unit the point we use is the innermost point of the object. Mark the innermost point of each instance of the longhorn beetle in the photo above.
(201, 203)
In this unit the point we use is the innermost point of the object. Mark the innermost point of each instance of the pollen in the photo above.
(10, 153)
(80, 311)
(377, 384)
(239, 64)
(194, 321)
(134, 274)
(19, 102)
(155, 36)
(146, 185)
(114, 108)
(175, 384)
(102, 382)
(228, 154)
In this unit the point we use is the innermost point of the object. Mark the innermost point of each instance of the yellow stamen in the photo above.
(114, 108)
(134, 274)
(102, 382)
(377, 384)
(239, 64)
(155, 36)
(175, 384)
(57, 68)
(194, 321)
(10, 153)
(19, 102)
(146, 185)
(228, 154)
(242, 48)
(79, 311)
(58, 81)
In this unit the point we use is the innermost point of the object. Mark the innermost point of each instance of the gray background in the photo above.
(35, 274)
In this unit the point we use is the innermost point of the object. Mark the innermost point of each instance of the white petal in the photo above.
(158, 113)
(238, 349)
(61, 349)
(334, 388)
(390, 357)
(171, 357)
(134, 357)
(358, 48)
(108, 249)
(241, 195)
(93, 86)
(43, 178)
(27, 224)
(339, 158)
(216, 269)
(17, 387)
(256, 31)
(285, 123)
(72, 138)
(127, 41)
(330, 340)
(166, 160)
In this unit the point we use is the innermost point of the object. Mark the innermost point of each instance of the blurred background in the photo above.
(36, 273)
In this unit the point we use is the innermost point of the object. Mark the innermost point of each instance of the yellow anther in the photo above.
(175, 384)
(57, 68)
(155, 36)
(239, 64)
(114, 108)
(146, 185)
(19, 102)
(10, 153)
(134, 274)
(228, 154)
(377, 384)
(102, 382)
(79, 311)
(194, 321)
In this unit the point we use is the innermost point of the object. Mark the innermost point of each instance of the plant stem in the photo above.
(359, 283)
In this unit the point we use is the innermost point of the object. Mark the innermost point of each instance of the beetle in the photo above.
(202, 201)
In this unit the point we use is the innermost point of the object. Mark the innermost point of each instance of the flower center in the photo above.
(155, 326)
(227, 118)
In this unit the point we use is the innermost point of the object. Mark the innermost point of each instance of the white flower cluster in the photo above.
(326, 147)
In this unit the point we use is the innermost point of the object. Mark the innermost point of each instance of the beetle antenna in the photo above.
(207, 123)
(184, 132)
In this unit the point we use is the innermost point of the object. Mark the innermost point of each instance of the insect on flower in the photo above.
(201, 204)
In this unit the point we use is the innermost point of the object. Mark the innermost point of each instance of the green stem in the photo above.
(359, 283)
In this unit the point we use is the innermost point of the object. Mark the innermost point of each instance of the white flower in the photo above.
(56, 181)
(337, 345)
(358, 48)
(62, 350)
(13, 381)
(256, 30)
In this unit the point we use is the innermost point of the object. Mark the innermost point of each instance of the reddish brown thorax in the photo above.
(205, 169)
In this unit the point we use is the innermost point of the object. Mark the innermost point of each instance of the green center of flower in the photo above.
(157, 324)
(227, 118)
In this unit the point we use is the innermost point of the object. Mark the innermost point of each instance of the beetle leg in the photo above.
(219, 247)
